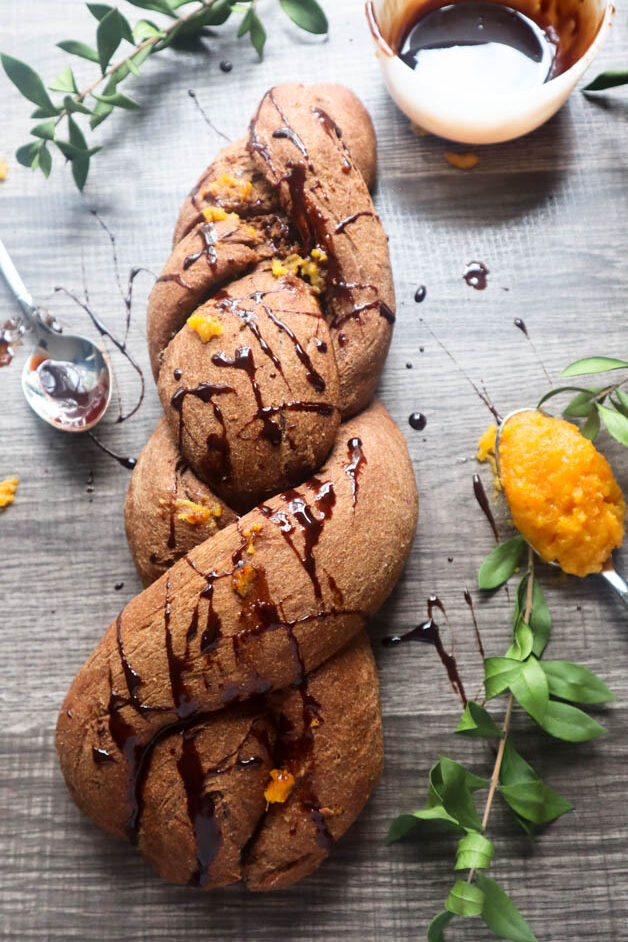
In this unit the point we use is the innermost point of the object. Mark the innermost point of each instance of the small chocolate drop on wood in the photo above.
(475, 275)
(417, 421)
(521, 326)
(226, 66)
(420, 294)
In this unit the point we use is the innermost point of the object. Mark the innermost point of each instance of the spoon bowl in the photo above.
(67, 378)
(608, 572)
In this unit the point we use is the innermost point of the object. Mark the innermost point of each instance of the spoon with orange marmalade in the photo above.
(562, 494)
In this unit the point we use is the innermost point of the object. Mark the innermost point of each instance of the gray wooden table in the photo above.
(547, 215)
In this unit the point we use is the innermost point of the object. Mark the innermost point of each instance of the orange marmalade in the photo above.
(561, 492)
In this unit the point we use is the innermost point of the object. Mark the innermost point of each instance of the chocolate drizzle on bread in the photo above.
(269, 515)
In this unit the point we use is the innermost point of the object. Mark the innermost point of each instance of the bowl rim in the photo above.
(564, 79)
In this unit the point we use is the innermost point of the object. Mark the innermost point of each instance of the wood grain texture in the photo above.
(547, 215)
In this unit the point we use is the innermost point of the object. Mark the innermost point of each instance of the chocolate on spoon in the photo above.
(67, 379)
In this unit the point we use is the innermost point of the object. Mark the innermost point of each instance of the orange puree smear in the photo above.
(280, 785)
(561, 492)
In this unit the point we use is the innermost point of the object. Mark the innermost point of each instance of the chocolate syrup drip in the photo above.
(100, 756)
(201, 808)
(207, 235)
(420, 294)
(350, 219)
(321, 345)
(243, 360)
(355, 313)
(179, 468)
(287, 131)
(177, 667)
(104, 331)
(428, 633)
(132, 678)
(260, 615)
(291, 135)
(216, 442)
(128, 463)
(176, 278)
(475, 275)
(418, 421)
(177, 374)
(482, 499)
(210, 124)
(294, 752)
(211, 633)
(310, 526)
(312, 375)
(333, 131)
(521, 326)
(357, 460)
(478, 636)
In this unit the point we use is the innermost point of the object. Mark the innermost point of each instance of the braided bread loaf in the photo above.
(270, 514)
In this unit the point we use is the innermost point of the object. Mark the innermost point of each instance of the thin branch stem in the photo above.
(151, 41)
(509, 706)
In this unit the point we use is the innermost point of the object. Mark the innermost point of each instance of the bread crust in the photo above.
(269, 515)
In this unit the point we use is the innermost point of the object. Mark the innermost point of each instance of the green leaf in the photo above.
(99, 10)
(27, 81)
(557, 392)
(406, 822)
(477, 722)
(569, 723)
(575, 682)
(252, 25)
(523, 643)
(530, 689)
(100, 112)
(451, 785)
(593, 365)
(465, 899)
(500, 564)
(27, 154)
(160, 6)
(108, 37)
(615, 422)
(44, 160)
(535, 801)
(118, 100)
(65, 82)
(80, 171)
(46, 131)
(146, 29)
(437, 925)
(539, 619)
(609, 79)
(77, 138)
(623, 400)
(499, 672)
(592, 425)
(579, 407)
(51, 112)
(79, 49)
(474, 852)
(500, 913)
(73, 105)
(307, 14)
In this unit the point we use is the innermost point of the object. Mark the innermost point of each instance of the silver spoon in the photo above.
(614, 578)
(66, 379)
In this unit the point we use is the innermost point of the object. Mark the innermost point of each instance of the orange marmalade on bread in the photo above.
(561, 492)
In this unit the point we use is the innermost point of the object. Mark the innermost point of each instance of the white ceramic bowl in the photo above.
(448, 111)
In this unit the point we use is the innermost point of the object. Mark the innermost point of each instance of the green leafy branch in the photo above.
(597, 405)
(546, 691)
(145, 38)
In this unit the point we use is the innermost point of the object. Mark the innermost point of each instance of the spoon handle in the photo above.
(18, 288)
(617, 581)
